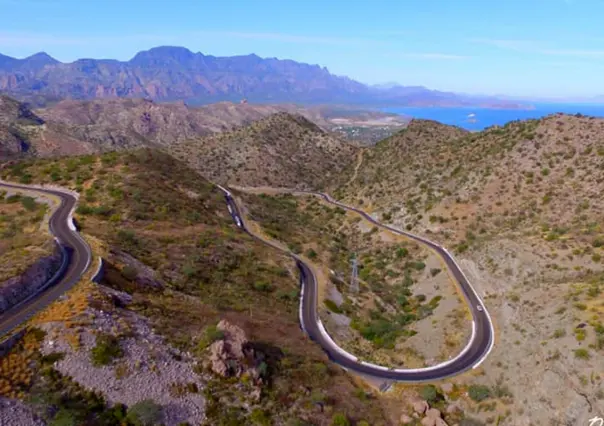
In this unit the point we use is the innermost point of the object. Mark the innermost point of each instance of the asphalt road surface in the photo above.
(78, 259)
(480, 344)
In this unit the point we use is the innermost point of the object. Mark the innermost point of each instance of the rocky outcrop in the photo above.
(19, 288)
(144, 276)
(234, 355)
(433, 417)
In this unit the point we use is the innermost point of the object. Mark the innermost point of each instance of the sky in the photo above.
(521, 48)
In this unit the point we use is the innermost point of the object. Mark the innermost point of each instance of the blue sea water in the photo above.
(484, 117)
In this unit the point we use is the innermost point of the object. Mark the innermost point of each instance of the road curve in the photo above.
(480, 344)
(75, 248)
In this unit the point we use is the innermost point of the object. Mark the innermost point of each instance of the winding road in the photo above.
(78, 257)
(477, 349)
(76, 250)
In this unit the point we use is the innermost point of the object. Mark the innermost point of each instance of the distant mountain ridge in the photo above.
(170, 73)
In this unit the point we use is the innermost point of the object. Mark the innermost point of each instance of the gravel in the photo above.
(16, 413)
(151, 366)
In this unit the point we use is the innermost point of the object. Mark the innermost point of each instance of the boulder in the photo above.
(234, 354)
(447, 387)
(419, 406)
(428, 421)
(234, 337)
(433, 413)
(405, 419)
(454, 408)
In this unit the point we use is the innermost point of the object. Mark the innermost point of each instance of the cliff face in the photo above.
(17, 289)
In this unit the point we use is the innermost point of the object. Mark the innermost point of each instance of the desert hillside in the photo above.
(183, 289)
(280, 150)
(73, 127)
(520, 207)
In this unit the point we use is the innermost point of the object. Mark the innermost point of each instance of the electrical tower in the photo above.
(354, 279)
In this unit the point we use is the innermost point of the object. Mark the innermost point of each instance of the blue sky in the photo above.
(514, 47)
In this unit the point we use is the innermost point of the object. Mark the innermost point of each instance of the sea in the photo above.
(476, 119)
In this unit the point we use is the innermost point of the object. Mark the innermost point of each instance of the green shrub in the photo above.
(29, 203)
(339, 419)
(479, 392)
(210, 335)
(84, 209)
(331, 305)
(260, 417)
(582, 353)
(107, 348)
(434, 271)
(263, 286)
(311, 254)
(402, 252)
(145, 413)
(129, 272)
(65, 417)
(430, 393)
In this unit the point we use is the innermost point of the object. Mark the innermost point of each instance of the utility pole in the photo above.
(354, 279)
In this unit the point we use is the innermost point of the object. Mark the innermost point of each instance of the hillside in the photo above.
(519, 206)
(280, 150)
(526, 174)
(79, 127)
(175, 265)
(16, 124)
(175, 73)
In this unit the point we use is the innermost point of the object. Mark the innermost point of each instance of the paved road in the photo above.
(78, 259)
(480, 344)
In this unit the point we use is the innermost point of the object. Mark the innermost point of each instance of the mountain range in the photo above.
(175, 73)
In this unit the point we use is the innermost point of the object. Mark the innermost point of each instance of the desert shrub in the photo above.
(260, 417)
(434, 271)
(331, 305)
(339, 419)
(145, 413)
(559, 333)
(311, 254)
(582, 353)
(107, 348)
(263, 286)
(129, 272)
(430, 393)
(84, 209)
(210, 335)
(29, 203)
(479, 392)
(402, 252)
(418, 266)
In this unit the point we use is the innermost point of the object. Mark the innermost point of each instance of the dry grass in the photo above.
(23, 239)
(16, 368)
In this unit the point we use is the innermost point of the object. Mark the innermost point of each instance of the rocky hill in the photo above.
(76, 127)
(280, 150)
(515, 177)
(184, 293)
(175, 73)
(520, 207)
